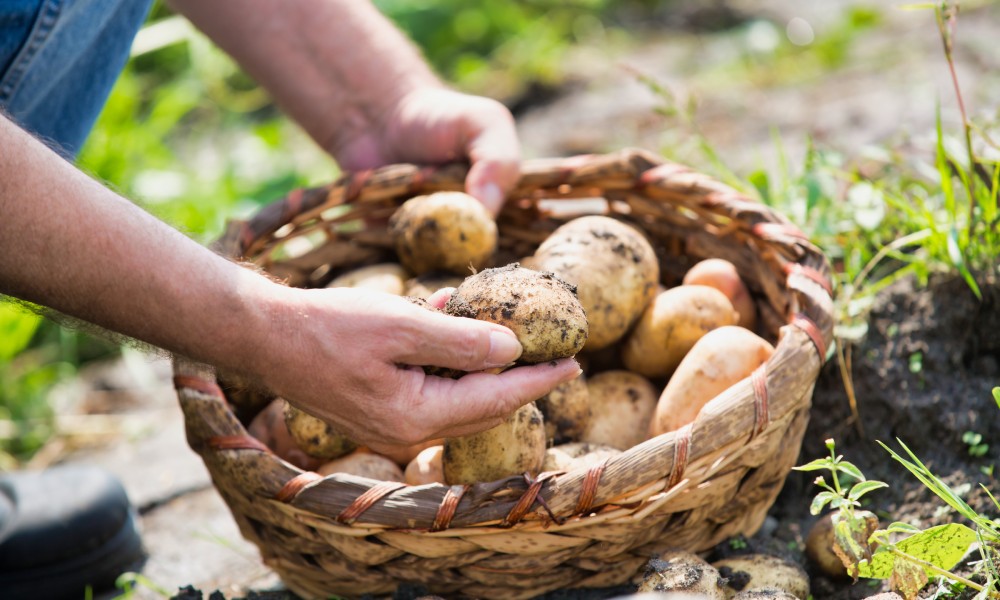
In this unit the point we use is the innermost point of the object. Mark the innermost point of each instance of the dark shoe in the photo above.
(66, 528)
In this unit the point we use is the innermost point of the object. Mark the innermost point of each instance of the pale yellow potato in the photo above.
(444, 231)
(764, 572)
(670, 326)
(425, 285)
(621, 406)
(613, 267)
(385, 277)
(426, 467)
(819, 548)
(514, 447)
(314, 436)
(722, 275)
(364, 464)
(577, 455)
(718, 360)
(566, 410)
(541, 309)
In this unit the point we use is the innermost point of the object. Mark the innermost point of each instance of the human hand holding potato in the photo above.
(364, 351)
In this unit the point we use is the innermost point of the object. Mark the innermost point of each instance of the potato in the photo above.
(364, 464)
(425, 285)
(246, 398)
(426, 467)
(612, 265)
(621, 406)
(683, 572)
(566, 410)
(819, 549)
(385, 277)
(511, 448)
(767, 593)
(269, 427)
(402, 456)
(314, 436)
(541, 309)
(721, 275)
(671, 325)
(576, 455)
(718, 360)
(759, 571)
(444, 231)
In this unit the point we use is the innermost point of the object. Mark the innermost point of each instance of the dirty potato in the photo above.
(683, 572)
(364, 464)
(613, 266)
(670, 326)
(621, 406)
(515, 446)
(444, 231)
(314, 436)
(385, 277)
(541, 309)
(566, 410)
(718, 360)
(269, 427)
(760, 571)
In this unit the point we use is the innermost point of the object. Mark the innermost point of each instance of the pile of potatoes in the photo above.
(652, 357)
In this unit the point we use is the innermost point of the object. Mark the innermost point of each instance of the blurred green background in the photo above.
(187, 135)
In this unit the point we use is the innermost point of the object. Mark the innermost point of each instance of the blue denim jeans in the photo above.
(59, 60)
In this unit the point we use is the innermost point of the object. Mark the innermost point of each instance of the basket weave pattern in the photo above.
(522, 536)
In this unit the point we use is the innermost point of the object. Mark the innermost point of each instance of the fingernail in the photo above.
(491, 197)
(504, 349)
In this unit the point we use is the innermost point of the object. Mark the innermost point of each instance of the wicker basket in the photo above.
(519, 537)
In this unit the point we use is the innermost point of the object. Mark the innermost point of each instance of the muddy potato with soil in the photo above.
(566, 410)
(426, 467)
(721, 358)
(613, 266)
(385, 277)
(542, 310)
(621, 406)
(269, 427)
(760, 571)
(670, 326)
(683, 572)
(444, 231)
(364, 464)
(722, 275)
(577, 455)
(515, 446)
(314, 436)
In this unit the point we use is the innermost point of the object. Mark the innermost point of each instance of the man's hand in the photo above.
(434, 125)
(353, 358)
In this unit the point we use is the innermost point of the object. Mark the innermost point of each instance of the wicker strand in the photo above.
(762, 415)
(589, 491)
(525, 503)
(807, 325)
(237, 442)
(366, 500)
(811, 273)
(449, 504)
(682, 442)
(295, 485)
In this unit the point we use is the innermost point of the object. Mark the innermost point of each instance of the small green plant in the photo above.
(902, 554)
(975, 443)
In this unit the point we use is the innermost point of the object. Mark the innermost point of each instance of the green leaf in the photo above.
(957, 259)
(907, 578)
(819, 464)
(864, 487)
(849, 469)
(821, 500)
(942, 546)
(996, 396)
(900, 527)
(17, 326)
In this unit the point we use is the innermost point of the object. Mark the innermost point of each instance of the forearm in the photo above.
(68, 243)
(335, 66)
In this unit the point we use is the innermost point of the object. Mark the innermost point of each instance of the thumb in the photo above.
(440, 340)
(496, 163)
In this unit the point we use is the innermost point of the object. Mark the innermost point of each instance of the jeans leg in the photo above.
(58, 83)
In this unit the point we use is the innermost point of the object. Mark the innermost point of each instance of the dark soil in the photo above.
(923, 374)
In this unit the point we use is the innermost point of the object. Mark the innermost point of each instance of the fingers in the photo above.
(436, 339)
(495, 155)
(439, 298)
(479, 401)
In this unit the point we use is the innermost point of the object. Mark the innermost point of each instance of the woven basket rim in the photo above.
(660, 468)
